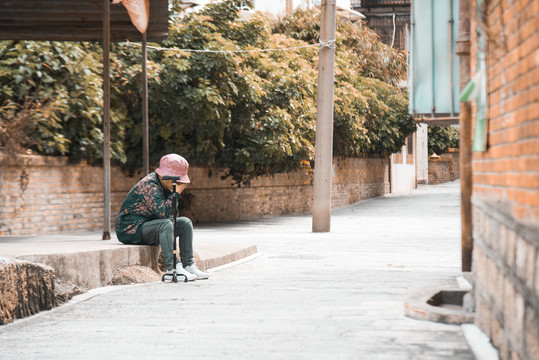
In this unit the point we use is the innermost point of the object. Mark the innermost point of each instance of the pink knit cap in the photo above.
(174, 165)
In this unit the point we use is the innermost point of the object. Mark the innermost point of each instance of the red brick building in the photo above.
(505, 195)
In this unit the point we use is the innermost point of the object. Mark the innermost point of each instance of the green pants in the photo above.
(160, 231)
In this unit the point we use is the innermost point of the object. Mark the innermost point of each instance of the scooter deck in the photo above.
(172, 278)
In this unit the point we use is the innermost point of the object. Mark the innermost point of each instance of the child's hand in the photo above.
(180, 187)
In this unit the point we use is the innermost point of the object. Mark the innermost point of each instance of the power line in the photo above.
(330, 44)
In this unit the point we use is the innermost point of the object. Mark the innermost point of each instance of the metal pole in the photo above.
(289, 8)
(106, 118)
(411, 53)
(324, 120)
(145, 127)
(433, 60)
(451, 21)
(390, 173)
(465, 131)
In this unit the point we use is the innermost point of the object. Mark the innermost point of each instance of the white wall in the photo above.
(278, 7)
(343, 4)
(274, 7)
(403, 175)
(422, 154)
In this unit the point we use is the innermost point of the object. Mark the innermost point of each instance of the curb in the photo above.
(417, 307)
(96, 268)
(210, 263)
(75, 272)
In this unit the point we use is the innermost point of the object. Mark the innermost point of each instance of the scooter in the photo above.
(174, 277)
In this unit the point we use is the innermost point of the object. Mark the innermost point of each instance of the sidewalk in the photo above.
(336, 295)
(89, 262)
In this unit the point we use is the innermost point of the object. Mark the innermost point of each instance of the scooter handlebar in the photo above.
(173, 178)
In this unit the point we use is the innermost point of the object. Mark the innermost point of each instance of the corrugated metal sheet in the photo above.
(378, 3)
(71, 20)
(434, 76)
(379, 14)
(383, 26)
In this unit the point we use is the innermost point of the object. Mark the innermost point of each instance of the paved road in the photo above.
(336, 295)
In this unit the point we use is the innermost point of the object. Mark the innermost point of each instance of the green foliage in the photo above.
(253, 113)
(442, 138)
(371, 111)
(358, 47)
(32, 97)
(50, 99)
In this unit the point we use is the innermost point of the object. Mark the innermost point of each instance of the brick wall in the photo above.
(444, 168)
(43, 195)
(505, 196)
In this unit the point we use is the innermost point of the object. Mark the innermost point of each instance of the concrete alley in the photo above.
(304, 295)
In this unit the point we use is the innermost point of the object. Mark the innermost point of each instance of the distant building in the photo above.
(505, 196)
(390, 19)
(278, 8)
(503, 156)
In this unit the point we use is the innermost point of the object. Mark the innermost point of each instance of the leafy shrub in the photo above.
(51, 100)
(442, 138)
(253, 113)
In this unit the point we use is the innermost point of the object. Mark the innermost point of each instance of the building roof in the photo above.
(380, 3)
(70, 20)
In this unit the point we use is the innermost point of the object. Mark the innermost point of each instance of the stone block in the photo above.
(64, 290)
(480, 268)
(513, 314)
(537, 276)
(515, 355)
(532, 334)
(135, 274)
(502, 243)
(508, 300)
(499, 339)
(511, 246)
(521, 255)
(494, 234)
(26, 289)
(482, 316)
(493, 276)
(531, 261)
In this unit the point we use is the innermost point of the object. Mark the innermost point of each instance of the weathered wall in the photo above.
(404, 167)
(505, 196)
(26, 289)
(43, 195)
(422, 154)
(444, 168)
(218, 200)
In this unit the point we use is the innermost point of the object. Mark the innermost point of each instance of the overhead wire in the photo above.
(329, 44)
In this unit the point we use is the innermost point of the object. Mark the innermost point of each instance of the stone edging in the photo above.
(416, 307)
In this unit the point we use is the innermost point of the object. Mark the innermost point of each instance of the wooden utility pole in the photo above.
(323, 167)
(465, 131)
(106, 119)
(145, 121)
(289, 7)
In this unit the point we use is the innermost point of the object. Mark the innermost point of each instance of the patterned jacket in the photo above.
(147, 200)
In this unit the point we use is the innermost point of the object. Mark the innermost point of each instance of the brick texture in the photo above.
(43, 195)
(506, 183)
(444, 168)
